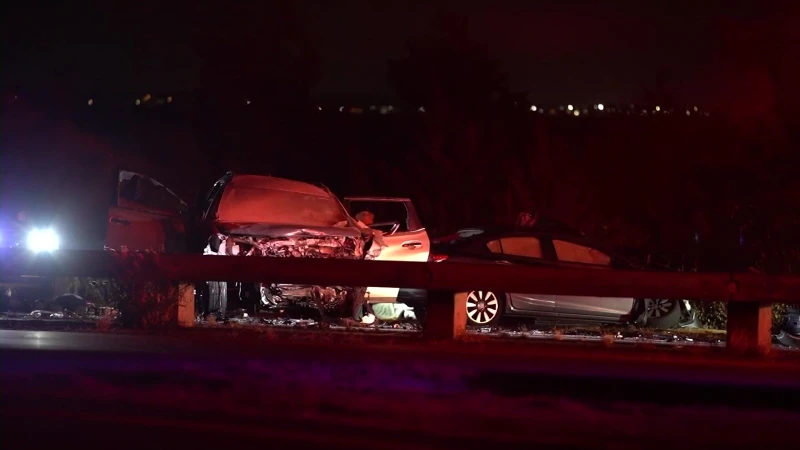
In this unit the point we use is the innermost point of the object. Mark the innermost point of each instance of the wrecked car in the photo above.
(548, 243)
(257, 215)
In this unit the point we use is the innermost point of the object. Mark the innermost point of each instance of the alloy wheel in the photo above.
(482, 307)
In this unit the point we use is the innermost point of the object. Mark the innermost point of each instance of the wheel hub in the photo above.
(658, 307)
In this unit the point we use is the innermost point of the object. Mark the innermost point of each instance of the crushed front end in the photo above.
(346, 243)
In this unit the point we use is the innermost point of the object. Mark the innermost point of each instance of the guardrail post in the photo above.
(186, 300)
(446, 316)
(749, 327)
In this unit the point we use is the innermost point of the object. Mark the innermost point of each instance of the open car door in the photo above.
(404, 234)
(145, 216)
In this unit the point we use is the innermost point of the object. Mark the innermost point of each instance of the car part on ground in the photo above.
(788, 332)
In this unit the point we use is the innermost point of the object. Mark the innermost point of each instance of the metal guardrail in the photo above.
(749, 295)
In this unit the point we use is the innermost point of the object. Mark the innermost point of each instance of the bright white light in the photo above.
(90, 102)
(695, 109)
(42, 240)
(533, 108)
(600, 107)
(570, 107)
(576, 113)
(658, 108)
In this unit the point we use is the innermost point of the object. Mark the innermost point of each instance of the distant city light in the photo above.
(319, 108)
(138, 102)
(576, 113)
(570, 107)
(658, 108)
(146, 97)
(695, 109)
(688, 113)
(169, 99)
(90, 102)
(341, 109)
(533, 108)
(247, 102)
(600, 107)
(421, 109)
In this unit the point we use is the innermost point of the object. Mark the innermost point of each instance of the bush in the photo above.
(714, 315)
(153, 304)
(100, 291)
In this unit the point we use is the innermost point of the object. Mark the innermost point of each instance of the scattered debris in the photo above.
(368, 319)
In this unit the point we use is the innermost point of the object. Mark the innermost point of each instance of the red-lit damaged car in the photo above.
(551, 243)
(257, 215)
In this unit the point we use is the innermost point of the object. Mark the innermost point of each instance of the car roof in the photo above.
(465, 237)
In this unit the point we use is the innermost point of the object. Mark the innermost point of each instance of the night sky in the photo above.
(609, 51)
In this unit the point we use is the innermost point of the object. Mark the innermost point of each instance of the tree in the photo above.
(446, 71)
(257, 51)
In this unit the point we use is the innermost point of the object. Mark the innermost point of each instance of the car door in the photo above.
(404, 235)
(574, 254)
(146, 215)
(527, 249)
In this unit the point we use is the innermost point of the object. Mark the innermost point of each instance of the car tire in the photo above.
(485, 308)
(217, 298)
(662, 313)
(250, 296)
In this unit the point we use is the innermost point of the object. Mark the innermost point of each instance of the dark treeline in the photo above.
(660, 182)
(723, 185)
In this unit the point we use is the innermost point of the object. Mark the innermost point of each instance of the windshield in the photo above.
(277, 206)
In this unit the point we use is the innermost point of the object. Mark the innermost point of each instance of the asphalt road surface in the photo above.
(204, 390)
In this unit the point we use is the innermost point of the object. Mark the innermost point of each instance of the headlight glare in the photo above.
(42, 240)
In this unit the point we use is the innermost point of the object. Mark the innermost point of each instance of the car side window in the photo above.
(571, 252)
(146, 193)
(382, 212)
(494, 246)
(527, 247)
